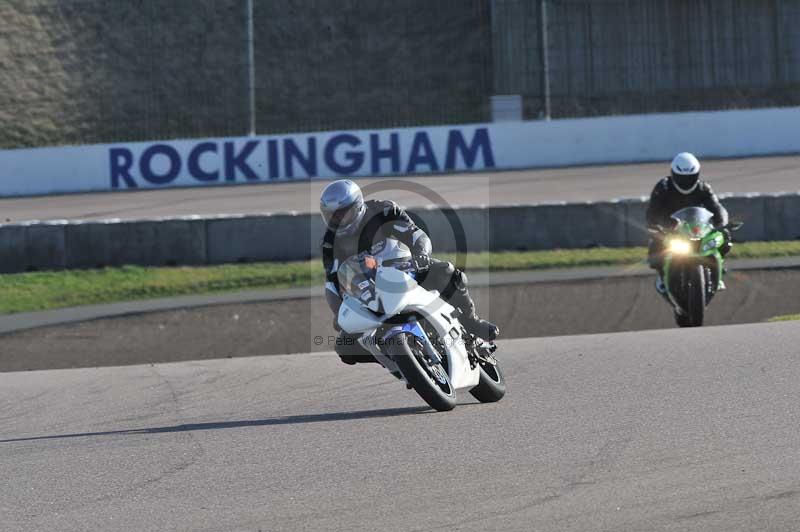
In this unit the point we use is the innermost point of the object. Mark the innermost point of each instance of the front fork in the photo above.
(415, 329)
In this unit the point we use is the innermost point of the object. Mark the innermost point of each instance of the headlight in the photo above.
(680, 247)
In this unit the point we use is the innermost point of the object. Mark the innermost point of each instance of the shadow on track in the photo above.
(287, 420)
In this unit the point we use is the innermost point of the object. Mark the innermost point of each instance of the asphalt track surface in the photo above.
(244, 329)
(590, 183)
(660, 430)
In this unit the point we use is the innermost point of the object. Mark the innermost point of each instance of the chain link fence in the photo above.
(86, 71)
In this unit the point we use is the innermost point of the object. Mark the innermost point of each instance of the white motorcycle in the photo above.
(412, 332)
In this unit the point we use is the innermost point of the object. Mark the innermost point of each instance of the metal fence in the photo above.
(606, 57)
(83, 71)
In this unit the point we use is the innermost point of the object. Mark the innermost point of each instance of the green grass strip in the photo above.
(35, 291)
(786, 317)
(26, 292)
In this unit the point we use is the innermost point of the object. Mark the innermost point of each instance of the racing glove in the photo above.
(422, 262)
(421, 250)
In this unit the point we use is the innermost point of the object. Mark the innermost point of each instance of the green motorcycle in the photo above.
(693, 265)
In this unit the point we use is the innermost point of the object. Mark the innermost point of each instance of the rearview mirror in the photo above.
(735, 226)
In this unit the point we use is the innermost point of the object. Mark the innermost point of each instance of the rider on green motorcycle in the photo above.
(682, 188)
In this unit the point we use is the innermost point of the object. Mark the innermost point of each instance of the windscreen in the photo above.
(357, 275)
(693, 215)
(694, 222)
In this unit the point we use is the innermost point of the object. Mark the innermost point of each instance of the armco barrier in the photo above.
(292, 236)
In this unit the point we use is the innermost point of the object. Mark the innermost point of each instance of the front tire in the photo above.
(492, 386)
(683, 320)
(696, 296)
(406, 353)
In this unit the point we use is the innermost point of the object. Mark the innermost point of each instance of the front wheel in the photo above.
(430, 381)
(696, 295)
(492, 386)
(683, 320)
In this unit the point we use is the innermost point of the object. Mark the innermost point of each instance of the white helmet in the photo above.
(342, 206)
(685, 172)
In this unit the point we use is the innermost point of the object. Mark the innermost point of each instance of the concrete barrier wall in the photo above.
(289, 237)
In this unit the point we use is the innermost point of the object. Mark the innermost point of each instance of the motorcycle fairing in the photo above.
(399, 292)
(411, 327)
(353, 318)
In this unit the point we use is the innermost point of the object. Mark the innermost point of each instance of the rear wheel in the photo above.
(429, 380)
(696, 295)
(492, 386)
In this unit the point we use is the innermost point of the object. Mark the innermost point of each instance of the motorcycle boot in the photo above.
(721, 286)
(461, 299)
(661, 288)
(451, 283)
(655, 262)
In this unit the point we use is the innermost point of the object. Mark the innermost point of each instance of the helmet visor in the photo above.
(685, 182)
(342, 217)
(338, 219)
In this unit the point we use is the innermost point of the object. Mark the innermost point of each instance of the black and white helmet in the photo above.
(342, 206)
(685, 172)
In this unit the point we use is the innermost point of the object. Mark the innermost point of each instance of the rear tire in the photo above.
(408, 360)
(492, 386)
(696, 296)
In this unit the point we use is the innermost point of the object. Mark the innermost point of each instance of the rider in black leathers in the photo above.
(354, 226)
(683, 188)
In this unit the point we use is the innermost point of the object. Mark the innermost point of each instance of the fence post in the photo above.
(545, 60)
(251, 72)
(777, 43)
